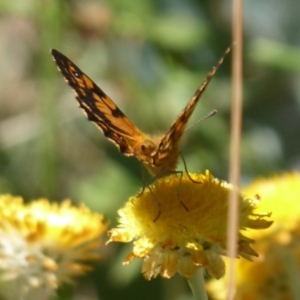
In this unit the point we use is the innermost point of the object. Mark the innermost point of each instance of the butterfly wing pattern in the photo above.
(159, 154)
(98, 107)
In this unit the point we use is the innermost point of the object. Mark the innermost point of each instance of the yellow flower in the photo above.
(274, 274)
(183, 240)
(43, 245)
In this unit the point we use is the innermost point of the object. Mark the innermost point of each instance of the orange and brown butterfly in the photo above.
(159, 154)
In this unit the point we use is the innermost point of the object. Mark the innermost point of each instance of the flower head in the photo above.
(43, 244)
(274, 273)
(183, 240)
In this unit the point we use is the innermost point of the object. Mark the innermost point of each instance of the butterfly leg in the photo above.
(153, 194)
(158, 204)
(144, 182)
(179, 191)
(186, 170)
(178, 188)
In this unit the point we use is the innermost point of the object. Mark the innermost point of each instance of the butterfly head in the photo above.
(158, 160)
(147, 150)
(147, 147)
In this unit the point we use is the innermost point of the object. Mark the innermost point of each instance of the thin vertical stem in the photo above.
(236, 125)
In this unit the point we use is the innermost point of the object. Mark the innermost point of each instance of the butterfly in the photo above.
(160, 153)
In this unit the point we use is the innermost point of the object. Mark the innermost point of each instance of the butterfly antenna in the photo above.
(212, 113)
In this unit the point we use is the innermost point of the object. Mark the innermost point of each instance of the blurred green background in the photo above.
(149, 57)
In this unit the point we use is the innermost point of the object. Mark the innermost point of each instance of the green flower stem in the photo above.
(197, 285)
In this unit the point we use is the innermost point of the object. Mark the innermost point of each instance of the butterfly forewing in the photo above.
(98, 107)
(173, 136)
